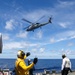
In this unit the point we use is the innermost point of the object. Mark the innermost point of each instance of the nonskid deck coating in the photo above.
(71, 73)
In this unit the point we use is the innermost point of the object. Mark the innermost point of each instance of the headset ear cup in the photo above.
(22, 54)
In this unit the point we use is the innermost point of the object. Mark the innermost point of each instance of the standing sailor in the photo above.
(20, 66)
(66, 65)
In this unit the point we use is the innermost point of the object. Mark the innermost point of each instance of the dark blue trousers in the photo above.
(65, 71)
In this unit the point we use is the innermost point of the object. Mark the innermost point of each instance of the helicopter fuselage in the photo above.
(35, 26)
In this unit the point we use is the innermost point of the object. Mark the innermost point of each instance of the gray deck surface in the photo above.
(71, 73)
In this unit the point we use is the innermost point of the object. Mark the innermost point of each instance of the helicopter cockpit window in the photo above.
(31, 26)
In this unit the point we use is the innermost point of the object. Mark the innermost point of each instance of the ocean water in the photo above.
(42, 64)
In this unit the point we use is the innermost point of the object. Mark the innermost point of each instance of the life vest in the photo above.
(21, 68)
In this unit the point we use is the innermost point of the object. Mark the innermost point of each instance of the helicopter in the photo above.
(34, 26)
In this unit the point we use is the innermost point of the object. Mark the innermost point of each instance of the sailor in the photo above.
(20, 66)
(66, 65)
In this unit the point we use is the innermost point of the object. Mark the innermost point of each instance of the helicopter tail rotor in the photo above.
(50, 19)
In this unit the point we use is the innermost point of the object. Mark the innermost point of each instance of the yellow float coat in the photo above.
(21, 67)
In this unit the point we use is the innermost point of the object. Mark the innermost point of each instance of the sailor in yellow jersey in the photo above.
(20, 66)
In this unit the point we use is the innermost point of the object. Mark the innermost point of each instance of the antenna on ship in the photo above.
(1, 44)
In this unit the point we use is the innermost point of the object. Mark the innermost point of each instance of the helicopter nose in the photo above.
(27, 30)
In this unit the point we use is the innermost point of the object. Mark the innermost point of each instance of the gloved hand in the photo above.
(27, 54)
(35, 60)
(70, 70)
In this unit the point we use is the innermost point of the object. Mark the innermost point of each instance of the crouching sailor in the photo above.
(20, 66)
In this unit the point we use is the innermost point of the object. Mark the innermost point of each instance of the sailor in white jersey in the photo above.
(66, 65)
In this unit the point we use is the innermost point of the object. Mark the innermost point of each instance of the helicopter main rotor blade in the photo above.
(25, 27)
(40, 18)
(27, 21)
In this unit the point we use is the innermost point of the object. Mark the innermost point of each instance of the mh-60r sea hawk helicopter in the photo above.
(34, 26)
